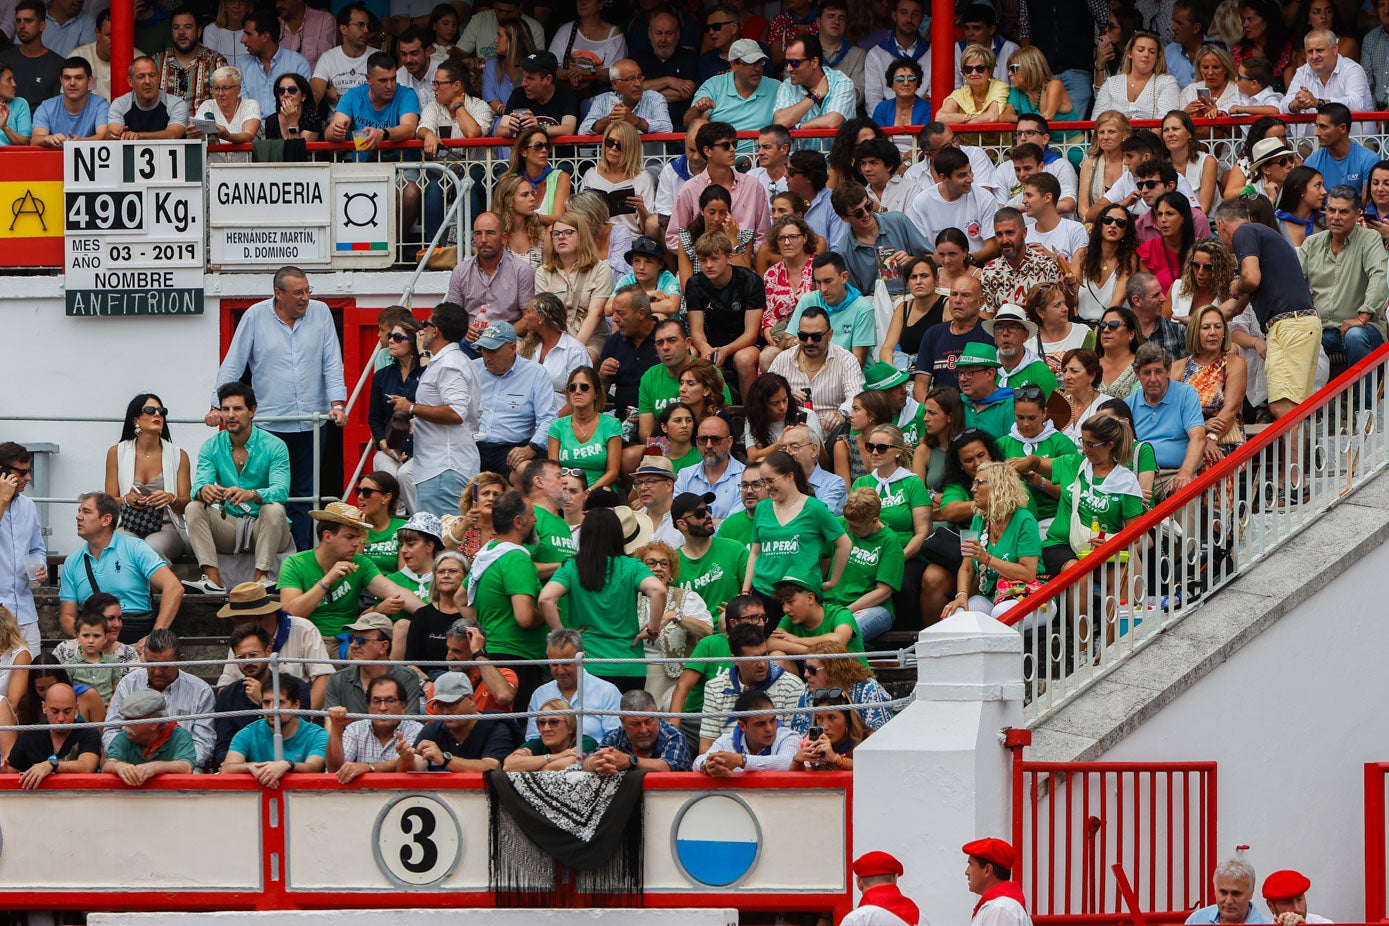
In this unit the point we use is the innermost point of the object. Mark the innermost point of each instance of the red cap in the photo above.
(1285, 885)
(876, 864)
(991, 850)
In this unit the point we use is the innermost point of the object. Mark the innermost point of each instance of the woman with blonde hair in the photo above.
(557, 747)
(842, 731)
(611, 241)
(1217, 74)
(983, 98)
(620, 164)
(1147, 90)
(1036, 90)
(1215, 369)
(471, 529)
(14, 655)
(1104, 164)
(685, 623)
(572, 270)
(514, 203)
(548, 341)
(502, 74)
(1001, 546)
(848, 675)
(530, 159)
(1206, 275)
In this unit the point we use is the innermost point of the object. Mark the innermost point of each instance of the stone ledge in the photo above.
(1097, 720)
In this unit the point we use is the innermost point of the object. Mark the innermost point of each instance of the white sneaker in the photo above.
(204, 586)
(268, 583)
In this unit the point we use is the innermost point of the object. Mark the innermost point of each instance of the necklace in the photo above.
(588, 426)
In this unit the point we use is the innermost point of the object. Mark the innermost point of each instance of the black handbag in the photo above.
(141, 521)
(398, 431)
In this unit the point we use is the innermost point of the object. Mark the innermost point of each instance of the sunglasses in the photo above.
(826, 694)
(710, 439)
(368, 491)
(795, 63)
(715, 27)
(576, 473)
(877, 448)
(612, 143)
(814, 337)
(725, 145)
(813, 670)
(701, 512)
(538, 146)
(905, 79)
(974, 69)
(549, 721)
(1196, 266)
(1111, 325)
(1114, 220)
(290, 90)
(861, 213)
(1147, 184)
(579, 387)
(1028, 393)
(155, 410)
(978, 482)
(360, 640)
(396, 337)
(1014, 68)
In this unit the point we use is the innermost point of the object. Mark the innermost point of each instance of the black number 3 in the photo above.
(418, 823)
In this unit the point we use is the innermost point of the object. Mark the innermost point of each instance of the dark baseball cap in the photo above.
(540, 62)
(686, 502)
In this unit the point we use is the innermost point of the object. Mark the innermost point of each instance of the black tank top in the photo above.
(910, 339)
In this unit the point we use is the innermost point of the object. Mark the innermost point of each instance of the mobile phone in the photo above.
(1204, 95)
(814, 733)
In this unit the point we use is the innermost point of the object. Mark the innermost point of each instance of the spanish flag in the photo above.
(31, 208)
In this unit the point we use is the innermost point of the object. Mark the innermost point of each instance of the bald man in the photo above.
(58, 747)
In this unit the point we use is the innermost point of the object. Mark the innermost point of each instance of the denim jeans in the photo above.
(1357, 344)
(439, 494)
(873, 622)
(301, 472)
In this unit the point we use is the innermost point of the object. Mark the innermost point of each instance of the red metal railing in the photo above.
(1075, 824)
(1376, 853)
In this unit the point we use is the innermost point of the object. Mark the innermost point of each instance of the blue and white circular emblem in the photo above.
(717, 840)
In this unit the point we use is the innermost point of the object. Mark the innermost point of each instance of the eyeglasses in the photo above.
(1095, 444)
(444, 83)
(1114, 220)
(905, 79)
(538, 146)
(155, 410)
(548, 721)
(223, 89)
(726, 145)
(814, 337)
(754, 485)
(612, 143)
(559, 234)
(1111, 325)
(710, 439)
(384, 702)
(368, 491)
(626, 80)
(978, 482)
(396, 337)
(1243, 77)
(877, 448)
(299, 293)
(291, 90)
(826, 694)
(654, 563)
(1147, 184)
(974, 69)
(789, 239)
(1027, 133)
(579, 387)
(359, 640)
(1014, 68)
(715, 27)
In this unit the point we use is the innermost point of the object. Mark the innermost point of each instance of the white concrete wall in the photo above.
(1291, 718)
(55, 365)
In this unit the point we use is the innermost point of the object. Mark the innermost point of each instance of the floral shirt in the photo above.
(1001, 283)
(781, 298)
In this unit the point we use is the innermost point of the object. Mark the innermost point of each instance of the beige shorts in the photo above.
(1291, 367)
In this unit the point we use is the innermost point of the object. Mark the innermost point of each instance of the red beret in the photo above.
(876, 864)
(991, 850)
(1285, 885)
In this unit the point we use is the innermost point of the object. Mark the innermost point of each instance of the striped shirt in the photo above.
(359, 743)
(832, 387)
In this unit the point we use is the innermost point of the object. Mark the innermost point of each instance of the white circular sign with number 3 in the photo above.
(417, 841)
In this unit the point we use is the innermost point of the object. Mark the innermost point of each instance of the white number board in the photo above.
(135, 227)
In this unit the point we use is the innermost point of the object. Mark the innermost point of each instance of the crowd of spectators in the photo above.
(771, 403)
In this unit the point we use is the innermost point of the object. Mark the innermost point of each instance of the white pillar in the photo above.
(938, 775)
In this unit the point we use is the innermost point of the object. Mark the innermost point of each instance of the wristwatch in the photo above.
(53, 761)
(447, 757)
(631, 761)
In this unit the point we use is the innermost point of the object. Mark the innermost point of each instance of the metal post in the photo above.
(579, 702)
(122, 45)
(317, 464)
(275, 718)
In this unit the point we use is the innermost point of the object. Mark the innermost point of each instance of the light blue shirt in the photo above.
(124, 569)
(1211, 914)
(822, 218)
(599, 695)
(516, 408)
(745, 115)
(53, 117)
(829, 489)
(652, 107)
(1179, 65)
(297, 371)
(839, 98)
(1353, 170)
(256, 742)
(257, 85)
(20, 536)
(1165, 424)
(62, 38)
(21, 120)
(727, 491)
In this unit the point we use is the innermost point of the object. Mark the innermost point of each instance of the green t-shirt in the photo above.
(714, 646)
(1095, 505)
(101, 675)
(607, 616)
(382, 547)
(835, 616)
(658, 389)
(737, 527)
(900, 499)
(179, 747)
(717, 575)
(1056, 445)
(1036, 373)
(411, 584)
(590, 456)
(554, 541)
(915, 427)
(953, 492)
(1021, 538)
(872, 559)
(513, 573)
(1144, 458)
(690, 458)
(340, 604)
(994, 419)
(793, 548)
